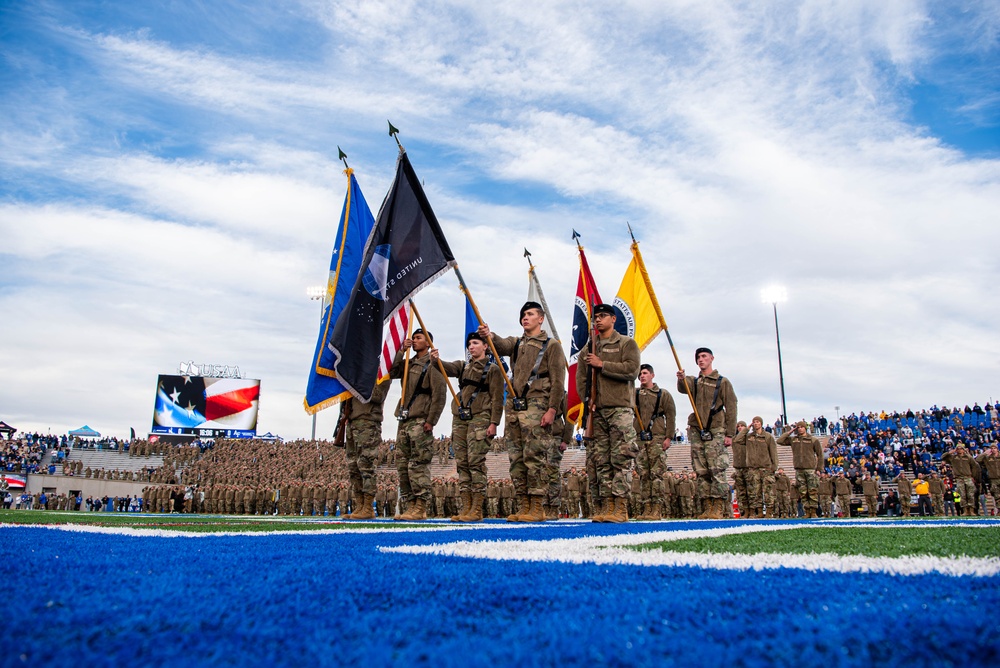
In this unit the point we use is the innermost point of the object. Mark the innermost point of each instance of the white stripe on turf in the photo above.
(607, 550)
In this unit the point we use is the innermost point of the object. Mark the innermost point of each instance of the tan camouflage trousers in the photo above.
(471, 445)
(615, 447)
(414, 451)
(651, 468)
(905, 501)
(740, 484)
(687, 506)
(527, 448)
(871, 502)
(710, 461)
(553, 460)
(966, 488)
(784, 504)
(808, 484)
(363, 438)
(760, 490)
(937, 503)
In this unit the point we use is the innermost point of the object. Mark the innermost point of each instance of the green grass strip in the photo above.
(942, 541)
(191, 523)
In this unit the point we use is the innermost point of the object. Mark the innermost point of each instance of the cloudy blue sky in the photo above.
(169, 186)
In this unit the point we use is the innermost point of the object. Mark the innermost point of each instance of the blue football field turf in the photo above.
(88, 599)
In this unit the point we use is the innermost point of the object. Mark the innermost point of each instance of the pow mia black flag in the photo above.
(405, 252)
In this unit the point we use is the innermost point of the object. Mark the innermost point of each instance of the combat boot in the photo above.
(364, 511)
(535, 511)
(601, 515)
(714, 509)
(706, 514)
(644, 513)
(522, 509)
(551, 512)
(416, 512)
(466, 503)
(654, 512)
(619, 512)
(475, 513)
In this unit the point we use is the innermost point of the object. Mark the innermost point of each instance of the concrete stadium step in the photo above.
(111, 460)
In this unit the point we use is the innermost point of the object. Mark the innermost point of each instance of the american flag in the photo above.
(395, 333)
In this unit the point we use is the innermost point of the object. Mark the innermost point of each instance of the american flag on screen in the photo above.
(395, 333)
(196, 401)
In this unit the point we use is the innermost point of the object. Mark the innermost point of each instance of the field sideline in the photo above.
(187, 590)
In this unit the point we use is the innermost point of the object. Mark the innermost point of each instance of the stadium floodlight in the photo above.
(773, 295)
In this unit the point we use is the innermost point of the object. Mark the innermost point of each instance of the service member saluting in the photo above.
(539, 380)
(710, 430)
(613, 359)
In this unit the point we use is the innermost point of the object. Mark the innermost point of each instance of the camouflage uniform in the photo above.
(782, 493)
(869, 488)
(990, 461)
(614, 439)
(740, 474)
(425, 396)
(709, 458)
(364, 435)
(527, 440)
(905, 491)
(659, 417)
(481, 390)
(807, 458)
(762, 462)
(966, 470)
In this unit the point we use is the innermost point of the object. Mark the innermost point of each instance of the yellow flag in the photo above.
(635, 305)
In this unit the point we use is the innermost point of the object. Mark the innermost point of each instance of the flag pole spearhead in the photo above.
(576, 238)
(342, 156)
(630, 232)
(393, 131)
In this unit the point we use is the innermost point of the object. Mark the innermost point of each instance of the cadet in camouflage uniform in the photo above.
(715, 402)
(869, 488)
(825, 490)
(538, 367)
(474, 422)
(418, 410)
(761, 461)
(807, 457)
(843, 488)
(990, 460)
(782, 492)
(905, 491)
(562, 435)
(615, 364)
(658, 415)
(685, 494)
(966, 470)
(364, 436)
(740, 474)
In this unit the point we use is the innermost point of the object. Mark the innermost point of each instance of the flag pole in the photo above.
(489, 339)
(444, 373)
(663, 322)
(533, 277)
(406, 362)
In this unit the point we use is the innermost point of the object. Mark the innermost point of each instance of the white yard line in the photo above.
(608, 550)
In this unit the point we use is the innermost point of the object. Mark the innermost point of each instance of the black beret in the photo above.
(703, 350)
(604, 308)
(530, 305)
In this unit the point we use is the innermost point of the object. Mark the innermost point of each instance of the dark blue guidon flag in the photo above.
(406, 252)
(356, 224)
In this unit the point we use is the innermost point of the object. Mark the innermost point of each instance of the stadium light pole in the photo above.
(316, 292)
(773, 295)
